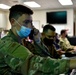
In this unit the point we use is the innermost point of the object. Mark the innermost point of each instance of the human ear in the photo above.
(12, 21)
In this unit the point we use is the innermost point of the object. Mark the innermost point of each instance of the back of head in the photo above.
(47, 27)
(19, 10)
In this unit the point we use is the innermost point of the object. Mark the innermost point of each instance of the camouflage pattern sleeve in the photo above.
(14, 55)
(63, 46)
(46, 66)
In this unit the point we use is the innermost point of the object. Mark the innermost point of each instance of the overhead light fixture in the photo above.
(32, 4)
(3, 6)
(66, 2)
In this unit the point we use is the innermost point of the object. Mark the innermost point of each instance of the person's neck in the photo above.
(14, 31)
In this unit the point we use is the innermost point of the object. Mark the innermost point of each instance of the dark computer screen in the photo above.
(57, 17)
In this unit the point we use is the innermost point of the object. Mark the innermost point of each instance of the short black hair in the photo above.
(46, 27)
(19, 10)
(63, 31)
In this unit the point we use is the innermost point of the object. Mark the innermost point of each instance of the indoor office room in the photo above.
(28, 41)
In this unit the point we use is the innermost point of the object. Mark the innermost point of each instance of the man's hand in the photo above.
(60, 52)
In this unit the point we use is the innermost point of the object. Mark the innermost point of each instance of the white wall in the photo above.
(40, 16)
(8, 26)
(4, 19)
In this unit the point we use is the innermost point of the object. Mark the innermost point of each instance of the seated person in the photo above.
(56, 43)
(15, 59)
(57, 38)
(48, 36)
(45, 46)
(64, 43)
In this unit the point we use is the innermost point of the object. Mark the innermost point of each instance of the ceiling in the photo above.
(45, 4)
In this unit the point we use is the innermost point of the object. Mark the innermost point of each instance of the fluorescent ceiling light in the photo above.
(32, 4)
(3, 6)
(66, 2)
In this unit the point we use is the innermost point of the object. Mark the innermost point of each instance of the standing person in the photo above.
(15, 59)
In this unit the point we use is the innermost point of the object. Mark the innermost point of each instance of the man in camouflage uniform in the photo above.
(64, 43)
(44, 46)
(48, 36)
(15, 59)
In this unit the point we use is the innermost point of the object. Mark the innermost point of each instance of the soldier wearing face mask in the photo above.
(43, 45)
(48, 36)
(16, 59)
